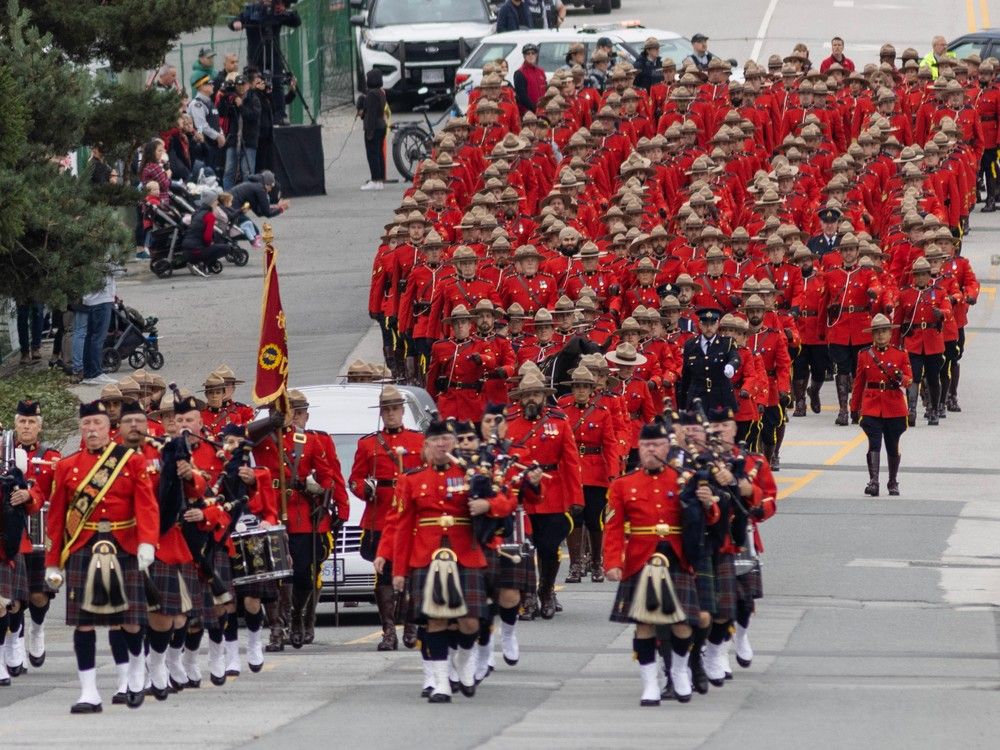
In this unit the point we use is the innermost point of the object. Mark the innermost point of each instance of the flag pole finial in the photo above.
(268, 233)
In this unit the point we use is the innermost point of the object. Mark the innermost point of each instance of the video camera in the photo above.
(260, 12)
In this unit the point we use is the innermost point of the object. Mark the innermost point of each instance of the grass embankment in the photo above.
(50, 388)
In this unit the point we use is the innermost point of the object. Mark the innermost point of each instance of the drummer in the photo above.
(263, 508)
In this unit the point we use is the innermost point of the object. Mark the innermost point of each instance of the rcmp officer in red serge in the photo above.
(381, 458)
(644, 553)
(240, 413)
(41, 467)
(103, 527)
(709, 361)
(542, 439)
(878, 399)
(309, 472)
(459, 367)
(435, 547)
(594, 431)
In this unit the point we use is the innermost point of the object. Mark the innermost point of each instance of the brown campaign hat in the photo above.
(686, 280)
(228, 375)
(580, 376)
(297, 399)
(543, 318)
(753, 302)
(531, 383)
(484, 305)
(526, 251)
(626, 355)
(214, 380)
(629, 325)
(459, 312)
(110, 392)
(463, 252)
(390, 396)
(879, 323)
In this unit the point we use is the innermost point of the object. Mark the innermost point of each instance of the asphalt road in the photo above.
(880, 624)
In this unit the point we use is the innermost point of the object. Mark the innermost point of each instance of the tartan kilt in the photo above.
(34, 563)
(684, 586)
(224, 569)
(725, 587)
(750, 586)
(502, 573)
(706, 584)
(166, 578)
(14, 579)
(76, 581)
(266, 591)
(473, 582)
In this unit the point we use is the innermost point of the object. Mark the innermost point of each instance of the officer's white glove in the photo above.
(312, 486)
(729, 371)
(145, 556)
(54, 577)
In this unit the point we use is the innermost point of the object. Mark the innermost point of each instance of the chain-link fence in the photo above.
(320, 54)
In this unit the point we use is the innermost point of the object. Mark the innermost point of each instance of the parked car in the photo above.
(347, 411)
(417, 43)
(553, 44)
(985, 43)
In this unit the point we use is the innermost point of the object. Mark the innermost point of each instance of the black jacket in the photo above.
(512, 17)
(820, 246)
(263, 30)
(703, 375)
(254, 193)
(649, 71)
(244, 120)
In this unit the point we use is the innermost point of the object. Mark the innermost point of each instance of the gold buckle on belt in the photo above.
(276, 484)
(104, 526)
(661, 529)
(446, 521)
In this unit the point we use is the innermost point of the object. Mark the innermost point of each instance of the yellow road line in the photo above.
(970, 13)
(984, 13)
(365, 639)
(799, 483)
(840, 455)
(988, 290)
(815, 443)
(833, 460)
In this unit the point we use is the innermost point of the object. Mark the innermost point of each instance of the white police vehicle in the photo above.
(627, 38)
(348, 411)
(417, 43)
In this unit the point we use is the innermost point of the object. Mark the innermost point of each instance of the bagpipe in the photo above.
(13, 518)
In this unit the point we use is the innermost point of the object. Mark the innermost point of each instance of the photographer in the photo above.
(262, 22)
(242, 110)
(260, 86)
(257, 194)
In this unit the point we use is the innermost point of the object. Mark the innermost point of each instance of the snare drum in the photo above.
(36, 528)
(261, 555)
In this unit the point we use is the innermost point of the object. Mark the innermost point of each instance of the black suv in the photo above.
(985, 43)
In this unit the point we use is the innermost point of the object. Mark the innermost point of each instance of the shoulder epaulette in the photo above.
(416, 469)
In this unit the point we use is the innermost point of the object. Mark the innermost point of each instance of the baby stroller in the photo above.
(131, 337)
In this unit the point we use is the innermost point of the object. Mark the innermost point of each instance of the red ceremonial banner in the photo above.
(272, 354)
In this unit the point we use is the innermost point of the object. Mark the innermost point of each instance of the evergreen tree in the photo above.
(58, 232)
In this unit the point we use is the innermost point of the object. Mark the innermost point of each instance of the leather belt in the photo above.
(855, 308)
(464, 386)
(808, 314)
(385, 482)
(548, 467)
(660, 529)
(445, 521)
(590, 450)
(920, 327)
(881, 386)
(105, 526)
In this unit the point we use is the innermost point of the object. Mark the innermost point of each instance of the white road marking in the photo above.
(976, 534)
(843, 3)
(762, 31)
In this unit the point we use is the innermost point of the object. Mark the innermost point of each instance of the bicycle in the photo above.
(412, 142)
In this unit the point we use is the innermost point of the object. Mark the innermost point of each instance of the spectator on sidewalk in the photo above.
(371, 109)
(90, 327)
(242, 110)
(529, 80)
(513, 15)
(100, 172)
(230, 68)
(166, 79)
(200, 243)
(203, 66)
(206, 121)
(29, 330)
(154, 155)
(837, 56)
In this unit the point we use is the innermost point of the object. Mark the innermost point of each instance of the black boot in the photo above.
(575, 544)
(775, 460)
(667, 694)
(799, 392)
(911, 399)
(597, 561)
(893, 485)
(529, 606)
(389, 355)
(951, 399)
(813, 390)
(277, 638)
(843, 383)
(385, 598)
(699, 680)
(933, 397)
(296, 634)
(547, 572)
(874, 459)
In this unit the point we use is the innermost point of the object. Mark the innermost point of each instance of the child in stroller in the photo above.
(133, 337)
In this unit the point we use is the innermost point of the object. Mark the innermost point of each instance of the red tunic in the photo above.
(549, 441)
(594, 432)
(383, 456)
(875, 393)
